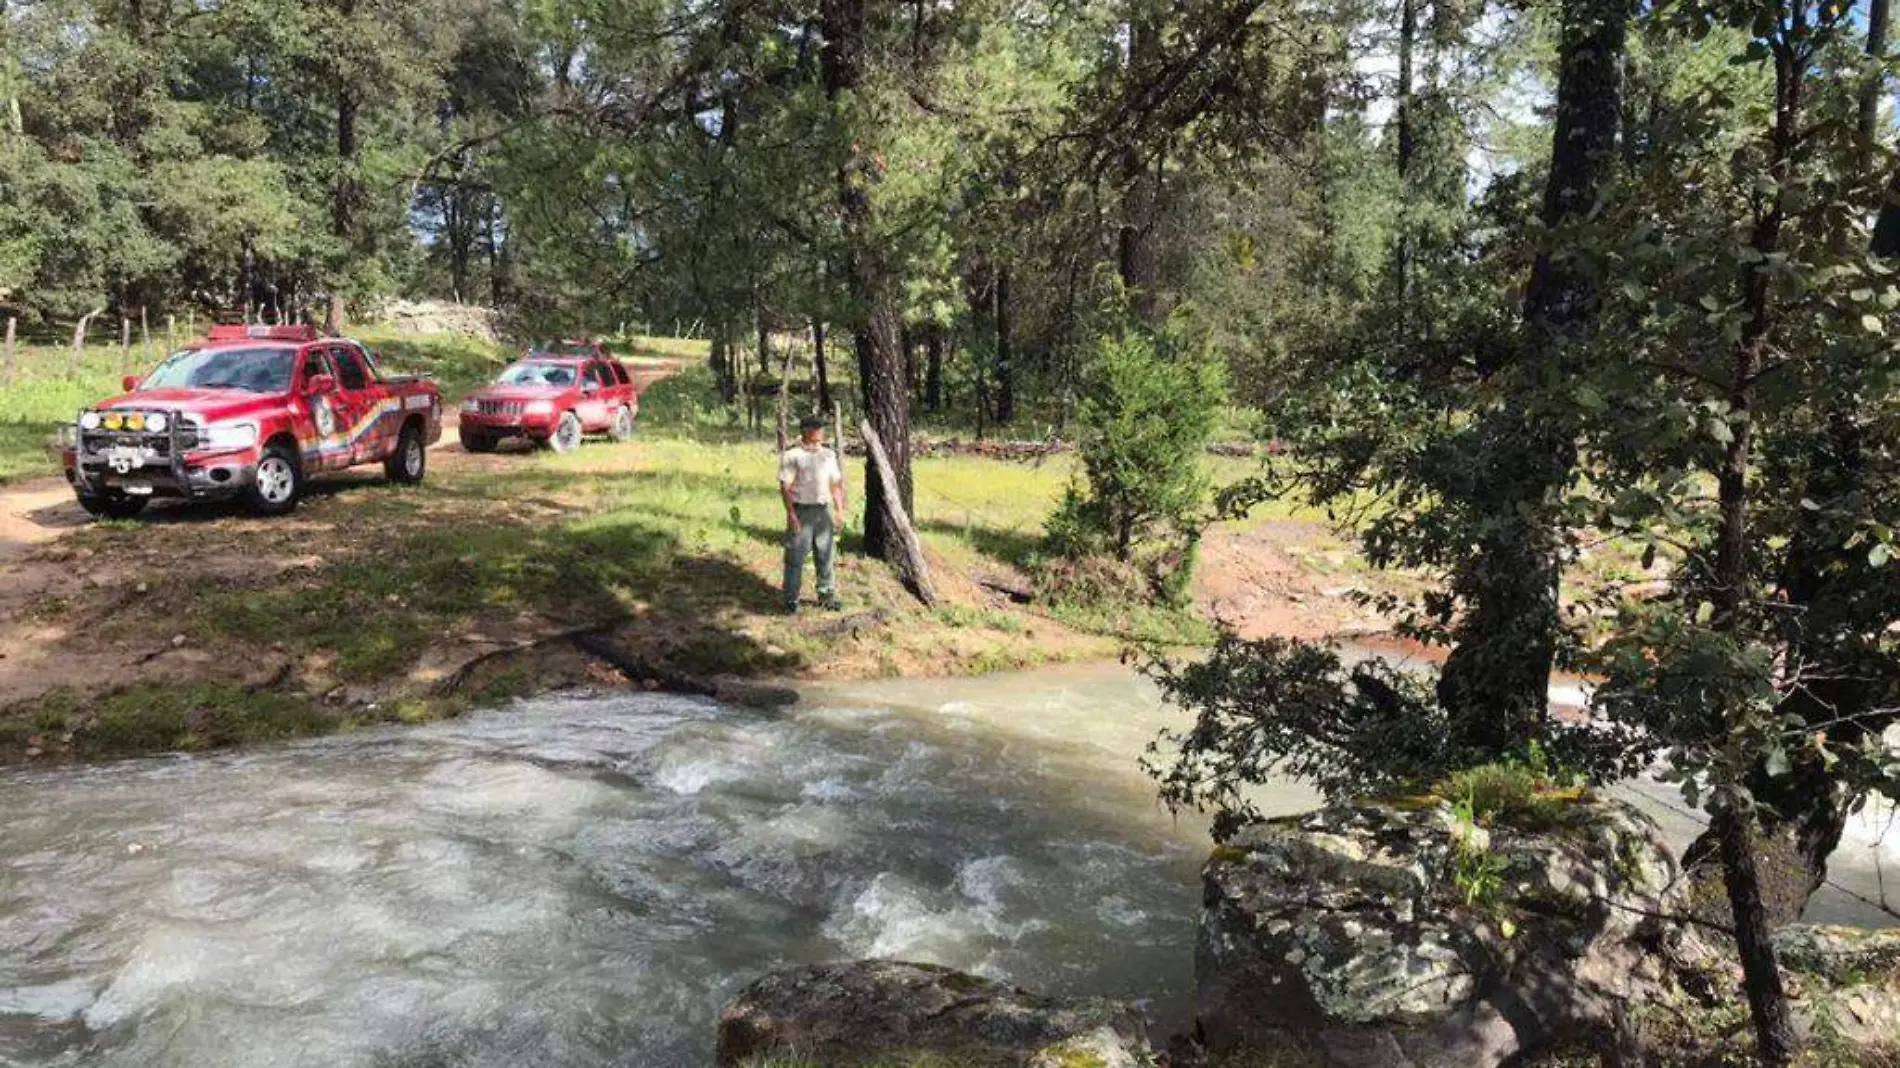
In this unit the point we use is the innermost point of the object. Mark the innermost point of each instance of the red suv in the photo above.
(553, 396)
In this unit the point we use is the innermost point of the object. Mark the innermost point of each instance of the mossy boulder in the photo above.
(876, 1012)
(1400, 935)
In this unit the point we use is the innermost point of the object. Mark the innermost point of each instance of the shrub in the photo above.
(1150, 404)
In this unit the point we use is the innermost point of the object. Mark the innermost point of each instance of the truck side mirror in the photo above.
(321, 384)
(130, 383)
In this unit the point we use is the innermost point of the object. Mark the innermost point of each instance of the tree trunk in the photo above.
(6, 354)
(722, 368)
(1135, 254)
(497, 255)
(1879, 20)
(247, 274)
(461, 236)
(343, 205)
(933, 368)
(1761, 968)
(1407, 138)
(1496, 683)
(874, 320)
(1761, 971)
(1005, 353)
(819, 370)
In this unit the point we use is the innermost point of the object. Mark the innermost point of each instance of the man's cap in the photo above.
(809, 423)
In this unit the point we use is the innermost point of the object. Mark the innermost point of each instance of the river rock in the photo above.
(1849, 982)
(1351, 932)
(872, 1011)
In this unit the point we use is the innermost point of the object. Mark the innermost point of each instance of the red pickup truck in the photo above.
(553, 396)
(251, 413)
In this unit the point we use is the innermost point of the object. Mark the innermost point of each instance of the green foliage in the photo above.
(1518, 793)
(1149, 407)
(1476, 872)
(1275, 709)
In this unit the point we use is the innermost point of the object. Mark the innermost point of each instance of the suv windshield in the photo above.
(537, 374)
(265, 370)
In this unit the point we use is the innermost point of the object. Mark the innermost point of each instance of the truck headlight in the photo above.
(539, 407)
(89, 421)
(155, 422)
(471, 405)
(229, 435)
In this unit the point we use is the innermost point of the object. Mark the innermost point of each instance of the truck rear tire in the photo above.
(277, 485)
(622, 426)
(410, 461)
(112, 505)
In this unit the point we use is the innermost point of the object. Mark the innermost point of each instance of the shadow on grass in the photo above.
(378, 608)
(1011, 546)
(171, 511)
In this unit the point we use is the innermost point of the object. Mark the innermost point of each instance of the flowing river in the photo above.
(585, 881)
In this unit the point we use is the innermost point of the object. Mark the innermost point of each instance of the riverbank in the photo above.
(199, 627)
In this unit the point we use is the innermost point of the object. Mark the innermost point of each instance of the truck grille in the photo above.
(489, 407)
(184, 434)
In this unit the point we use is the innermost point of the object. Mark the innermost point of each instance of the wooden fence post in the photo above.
(79, 341)
(125, 344)
(171, 334)
(6, 357)
(912, 569)
(145, 336)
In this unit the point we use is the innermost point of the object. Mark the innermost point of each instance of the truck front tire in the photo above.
(476, 441)
(410, 461)
(112, 505)
(277, 484)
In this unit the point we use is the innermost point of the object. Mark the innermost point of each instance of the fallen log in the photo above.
(1015, 591)
(914, 572)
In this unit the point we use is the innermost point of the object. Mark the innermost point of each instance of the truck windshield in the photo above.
(252, 370)
(530, 373)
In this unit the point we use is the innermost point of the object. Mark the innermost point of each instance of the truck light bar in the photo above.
(241, 332)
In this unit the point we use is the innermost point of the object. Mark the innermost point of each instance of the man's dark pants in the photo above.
(814, 534)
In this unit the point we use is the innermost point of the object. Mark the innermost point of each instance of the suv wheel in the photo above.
(277, 484)
(112, 505)
(622, 428)
(410, 461)
(567, 433)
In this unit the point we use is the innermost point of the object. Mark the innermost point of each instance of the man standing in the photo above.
(813, 487)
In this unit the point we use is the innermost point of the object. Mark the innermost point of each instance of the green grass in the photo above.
(43, 396)
(152, 717)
